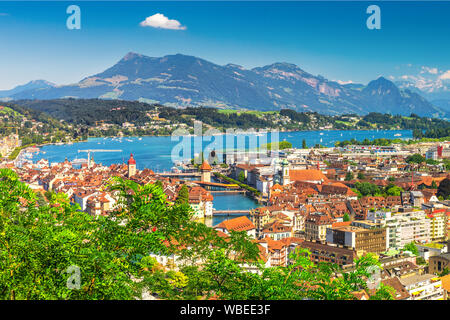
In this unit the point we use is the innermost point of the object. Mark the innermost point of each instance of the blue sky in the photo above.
(326, 38)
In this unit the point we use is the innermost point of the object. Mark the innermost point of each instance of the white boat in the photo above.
(79, 161)
(397, 135)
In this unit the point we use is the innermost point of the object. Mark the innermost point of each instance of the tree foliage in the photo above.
(444, 188)
(116, 254)
(183, 195)
(415, 158)
(412, 248)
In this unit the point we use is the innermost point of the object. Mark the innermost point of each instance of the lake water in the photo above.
(156, 153)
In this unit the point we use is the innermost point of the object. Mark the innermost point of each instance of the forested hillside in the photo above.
(90, 111)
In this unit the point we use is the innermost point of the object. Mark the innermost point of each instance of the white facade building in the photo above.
(405, 227)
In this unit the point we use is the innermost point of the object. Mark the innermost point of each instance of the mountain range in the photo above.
(32, 85)
(437, 92)
(181, 80)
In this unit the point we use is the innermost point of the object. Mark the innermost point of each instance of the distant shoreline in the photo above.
(222, 134)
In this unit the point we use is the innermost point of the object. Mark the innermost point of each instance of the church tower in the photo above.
(131, 166)
(205, 170)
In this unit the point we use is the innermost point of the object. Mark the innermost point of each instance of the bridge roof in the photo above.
(215, 184)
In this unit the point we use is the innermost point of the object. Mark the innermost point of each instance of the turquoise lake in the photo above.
(155, 152)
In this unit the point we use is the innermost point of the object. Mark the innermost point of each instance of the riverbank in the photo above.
(17, 151)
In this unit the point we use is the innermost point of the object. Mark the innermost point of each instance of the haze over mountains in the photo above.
(181, 80)
(32, 85)
(437, 92)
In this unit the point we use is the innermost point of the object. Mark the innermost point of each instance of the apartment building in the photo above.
(9, 143)
(201, 202)
(423, 287)
(260, 217)
(405, 226)
(438, 224)
(316, 226)
(363, 240)
(274, 251)
(321, 252)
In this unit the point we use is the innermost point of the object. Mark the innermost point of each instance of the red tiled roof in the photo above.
(341, 224)
(307, 175)
(237, 224)
(205, 166)
(131, 160)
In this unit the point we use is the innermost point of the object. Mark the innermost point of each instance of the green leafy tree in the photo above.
(183, 195)
(349, 176)
(304, 145)
(393, 190)
(412, 248)
(421, 261)
(444, 188)
(40, 243)
(367, 189)
(415, 158)
(444, 272)
(280, 145)
(159, 184)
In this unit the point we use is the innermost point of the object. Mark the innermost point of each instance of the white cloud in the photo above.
(344, 82)
(445, 75)
(425, 78)
(159, 20)
(429, 70)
